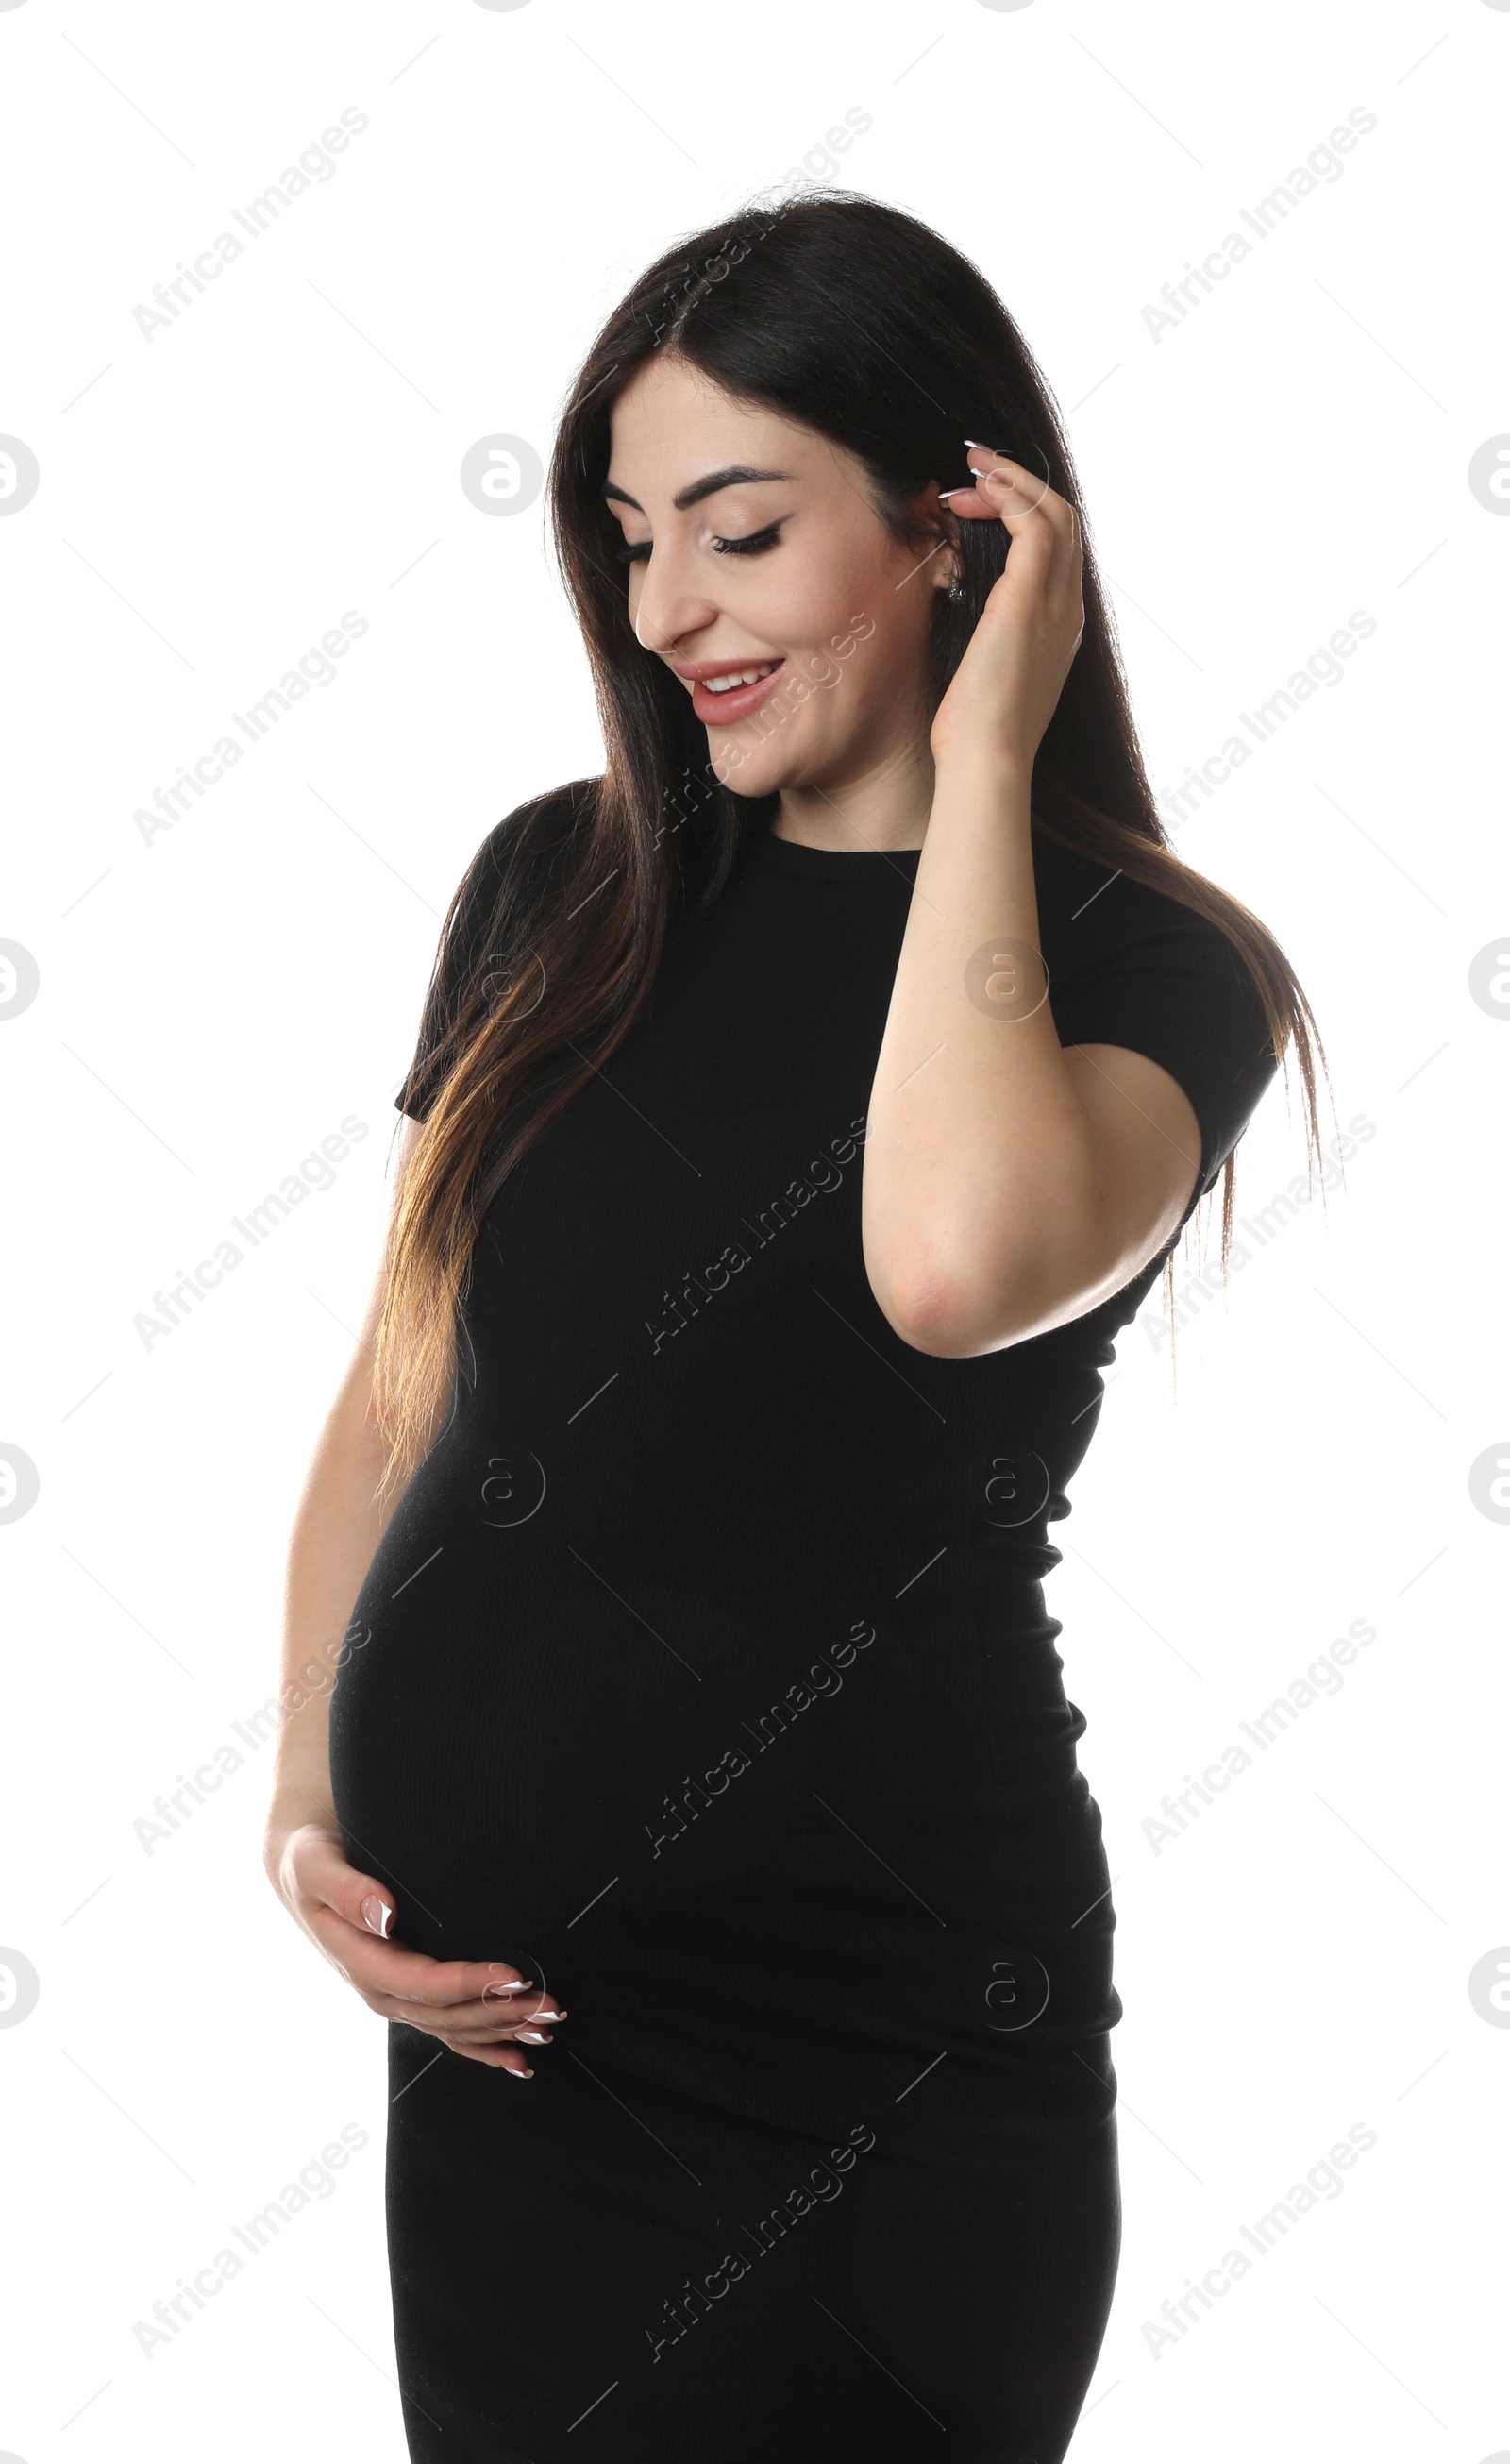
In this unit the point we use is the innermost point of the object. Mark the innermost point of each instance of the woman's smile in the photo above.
(725, 690)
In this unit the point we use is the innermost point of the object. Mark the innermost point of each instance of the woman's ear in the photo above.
(945, 562)
(949, 563)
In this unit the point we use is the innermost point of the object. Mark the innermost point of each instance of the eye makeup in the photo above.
(752, 543)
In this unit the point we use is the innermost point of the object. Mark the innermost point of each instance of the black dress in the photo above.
(710, 1681)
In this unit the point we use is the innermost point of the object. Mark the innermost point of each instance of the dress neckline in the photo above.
(795, 855)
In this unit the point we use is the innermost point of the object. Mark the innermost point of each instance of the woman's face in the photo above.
(751, 544)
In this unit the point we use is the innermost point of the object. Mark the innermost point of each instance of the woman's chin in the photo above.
(740, 783)
(756, 769)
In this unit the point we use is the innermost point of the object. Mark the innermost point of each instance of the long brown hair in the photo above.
(861, 323)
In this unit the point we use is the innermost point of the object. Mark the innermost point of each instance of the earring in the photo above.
(956, 586)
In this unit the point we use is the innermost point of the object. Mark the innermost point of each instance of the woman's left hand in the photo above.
(1003, 693)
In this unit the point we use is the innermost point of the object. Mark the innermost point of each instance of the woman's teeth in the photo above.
(738, 676)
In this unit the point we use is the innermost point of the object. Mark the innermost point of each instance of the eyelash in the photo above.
(753, 543)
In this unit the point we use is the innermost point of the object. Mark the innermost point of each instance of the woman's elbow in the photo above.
(947, 1315)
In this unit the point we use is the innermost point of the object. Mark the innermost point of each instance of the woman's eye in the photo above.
(754, 543)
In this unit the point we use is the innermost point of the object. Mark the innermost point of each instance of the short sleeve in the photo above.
(1128, 964)
(463, 946)
(475, 921)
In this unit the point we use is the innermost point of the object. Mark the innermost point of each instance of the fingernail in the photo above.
(376, 1914)
(497, 1992)
(510, 2072)
(532, 2037)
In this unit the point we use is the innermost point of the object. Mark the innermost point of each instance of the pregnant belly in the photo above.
(722, 1810)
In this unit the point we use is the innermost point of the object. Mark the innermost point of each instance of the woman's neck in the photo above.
(881, 804)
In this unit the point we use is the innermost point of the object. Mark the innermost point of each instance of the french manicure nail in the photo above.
(510, 2071)
(376, 1914)
(532, 2037)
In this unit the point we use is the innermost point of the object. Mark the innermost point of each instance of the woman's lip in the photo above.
(725, 709)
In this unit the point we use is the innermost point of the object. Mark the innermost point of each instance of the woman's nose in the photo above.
(669, 605)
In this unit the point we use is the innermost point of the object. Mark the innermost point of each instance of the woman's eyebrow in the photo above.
(737, 474)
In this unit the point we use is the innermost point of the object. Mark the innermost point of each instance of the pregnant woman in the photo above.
(800, 1110)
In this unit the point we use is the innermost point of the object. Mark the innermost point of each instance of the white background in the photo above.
(212, 1004)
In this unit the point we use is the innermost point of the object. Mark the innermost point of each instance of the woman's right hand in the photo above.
(483, 2008)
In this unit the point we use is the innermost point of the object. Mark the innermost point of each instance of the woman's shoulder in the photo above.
(1130, 963)
(1073, 886)
(545, 820)
(1097, 918)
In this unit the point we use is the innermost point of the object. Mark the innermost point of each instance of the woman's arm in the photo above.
(1009, 1183)
(350, 1915)
(336, 1532)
